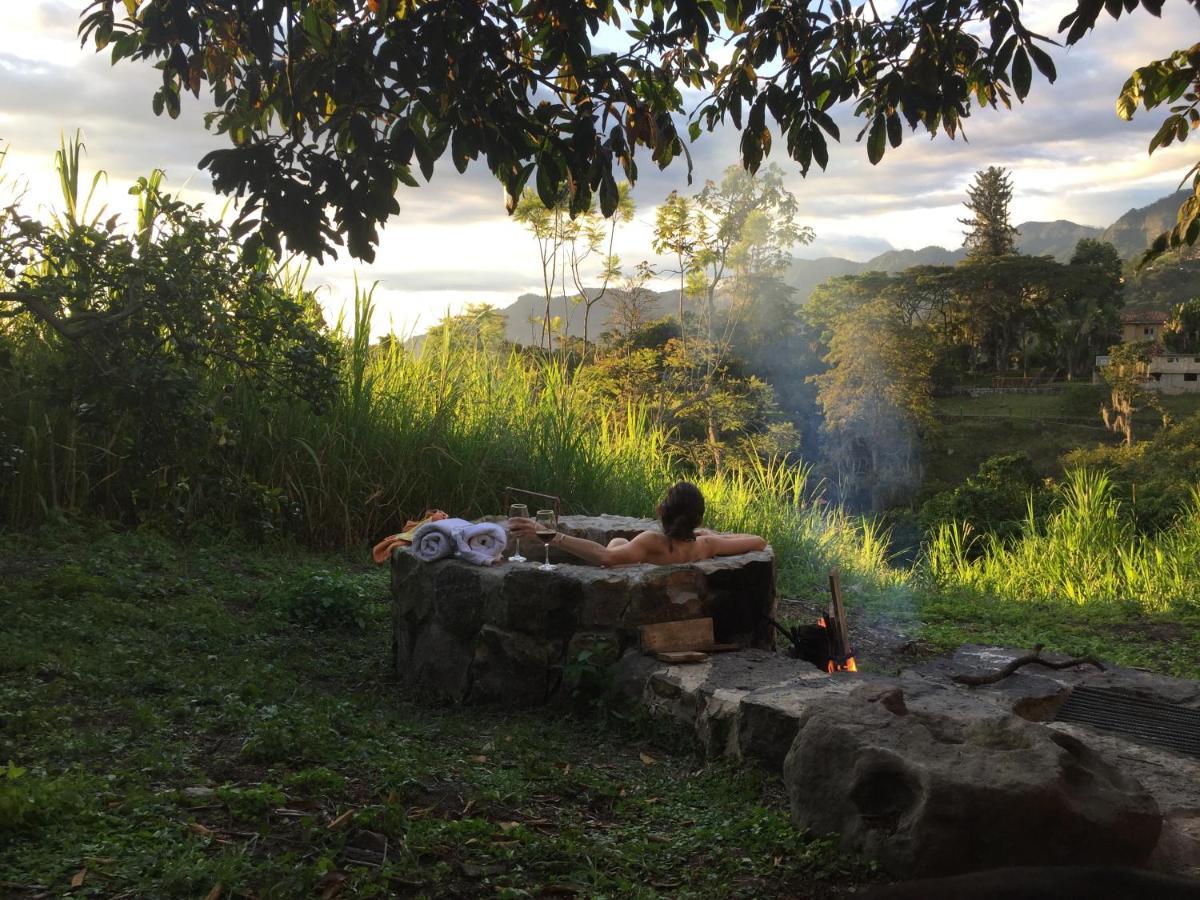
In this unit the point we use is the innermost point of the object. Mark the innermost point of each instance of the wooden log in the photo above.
(680, 657)
(688, 634)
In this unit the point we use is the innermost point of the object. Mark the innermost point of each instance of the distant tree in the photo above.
(746, 227)
(675, 235)
(545, 223)
(479, 328)
(630, 303)
(585, 236)
(1086, 306)
(1125, 374)
(876, 397)
(989, 231)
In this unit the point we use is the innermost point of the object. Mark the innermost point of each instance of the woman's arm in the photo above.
(733, 544)
(589, 551)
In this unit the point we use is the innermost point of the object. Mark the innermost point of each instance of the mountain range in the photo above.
(1130, 234)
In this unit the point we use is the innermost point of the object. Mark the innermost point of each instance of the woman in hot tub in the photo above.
(681, 539)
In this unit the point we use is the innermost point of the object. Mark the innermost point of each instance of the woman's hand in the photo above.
(522, 528)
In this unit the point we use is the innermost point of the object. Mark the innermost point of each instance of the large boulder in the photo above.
(937, 791)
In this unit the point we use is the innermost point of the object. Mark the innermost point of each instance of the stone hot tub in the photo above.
(503, 633)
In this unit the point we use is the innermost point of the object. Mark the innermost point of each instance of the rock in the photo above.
(967, 787)
(514, 669)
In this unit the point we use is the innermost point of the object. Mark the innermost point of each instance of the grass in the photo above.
(186, 731)
(1044, 426)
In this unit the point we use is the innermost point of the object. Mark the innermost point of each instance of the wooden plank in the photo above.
(837, 616)
(679, 657)
(688, 634)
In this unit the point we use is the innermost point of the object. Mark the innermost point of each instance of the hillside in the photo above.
(526, 314)
(1133, 232)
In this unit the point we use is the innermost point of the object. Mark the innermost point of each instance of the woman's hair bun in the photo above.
(682, 511)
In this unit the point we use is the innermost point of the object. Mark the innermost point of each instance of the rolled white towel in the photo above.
(436, 540)
(482, 544)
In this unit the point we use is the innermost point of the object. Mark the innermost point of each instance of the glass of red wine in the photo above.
(546, 528)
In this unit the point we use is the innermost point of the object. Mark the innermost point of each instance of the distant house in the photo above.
(1167, 373)
(1142, 325)
(1175, 373)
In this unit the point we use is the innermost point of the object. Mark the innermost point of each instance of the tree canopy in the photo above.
(330, 105)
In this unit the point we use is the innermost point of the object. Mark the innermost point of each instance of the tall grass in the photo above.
(1086, 552)
(413, 429)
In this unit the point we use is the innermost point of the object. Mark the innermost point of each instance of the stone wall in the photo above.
(503, 633)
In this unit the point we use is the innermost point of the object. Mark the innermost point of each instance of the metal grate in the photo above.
(1145, 721)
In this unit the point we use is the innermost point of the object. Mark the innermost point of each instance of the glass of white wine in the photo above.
(518, 511)
(546, 528)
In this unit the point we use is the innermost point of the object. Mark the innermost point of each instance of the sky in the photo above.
(1070, 157)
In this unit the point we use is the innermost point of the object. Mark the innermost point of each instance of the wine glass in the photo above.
(546, 528)
(518, 511)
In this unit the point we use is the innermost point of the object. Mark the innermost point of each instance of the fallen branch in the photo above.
(1034, 658)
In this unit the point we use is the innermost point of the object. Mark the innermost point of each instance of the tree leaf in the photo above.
(876, 139)
(1022, 73)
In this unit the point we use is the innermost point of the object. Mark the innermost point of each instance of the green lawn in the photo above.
(172, 724)
(1045, 426)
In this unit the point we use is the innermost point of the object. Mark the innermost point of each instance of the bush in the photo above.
(329, 600)
(996, 500)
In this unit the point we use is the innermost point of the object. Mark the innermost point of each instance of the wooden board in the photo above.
(666, 637)
(681, 656)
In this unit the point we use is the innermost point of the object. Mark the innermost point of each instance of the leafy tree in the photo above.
(675, 235)
(480, 328)
(876, 398)
(1125, 374)
(1183, 328)
(585, 237)
(546, 224)
(147, 344)
(330, 104)
(990, 233)
(631, 302)
(1087, 305)
(996, 500)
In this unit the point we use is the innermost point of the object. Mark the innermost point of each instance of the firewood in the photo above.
(1034, 658)
(687, 634)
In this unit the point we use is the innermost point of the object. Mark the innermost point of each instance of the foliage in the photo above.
(329, 104)
(123, 352)
(996, 500)
(1162, 81)
(479, 328)
(1182, 332)
(989, 231)
(1154, 477)
(327, 600)
(1086, 307)
(876, 399)
(1085, 552)
(1125, 374)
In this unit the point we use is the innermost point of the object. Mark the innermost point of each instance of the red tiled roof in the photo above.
(1144, 317)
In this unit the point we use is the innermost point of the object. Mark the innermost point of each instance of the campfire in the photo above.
(827, 643)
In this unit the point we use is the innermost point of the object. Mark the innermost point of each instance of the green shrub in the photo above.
(996, 500)
(329, 599)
